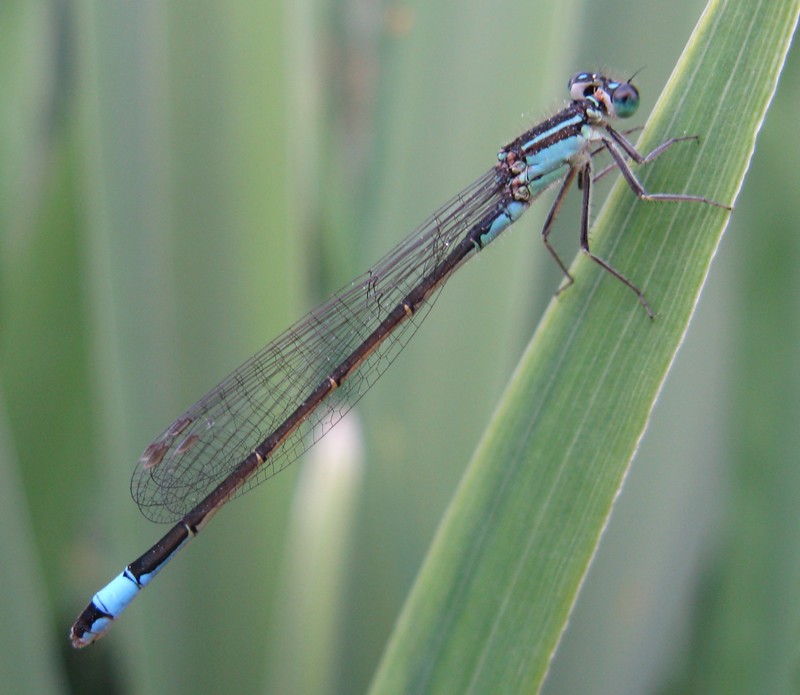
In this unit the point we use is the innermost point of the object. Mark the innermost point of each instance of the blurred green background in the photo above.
(179, 181)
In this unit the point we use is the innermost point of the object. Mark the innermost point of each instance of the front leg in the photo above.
(620, 142)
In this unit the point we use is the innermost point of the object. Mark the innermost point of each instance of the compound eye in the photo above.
(625, 100)
(582, 85)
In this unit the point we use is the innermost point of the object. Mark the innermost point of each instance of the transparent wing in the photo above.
(207, 442)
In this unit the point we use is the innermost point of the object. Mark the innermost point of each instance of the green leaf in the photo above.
(503, 574)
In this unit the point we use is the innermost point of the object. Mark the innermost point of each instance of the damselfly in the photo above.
(280, 402)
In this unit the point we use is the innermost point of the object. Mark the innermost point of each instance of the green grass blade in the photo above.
(497, 588)
(747, 605)
(315, 567)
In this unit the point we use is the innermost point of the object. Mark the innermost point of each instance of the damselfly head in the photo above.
(619, 99)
